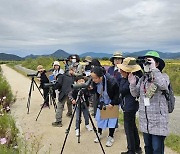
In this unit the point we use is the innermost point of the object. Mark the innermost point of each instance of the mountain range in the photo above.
(63, 54)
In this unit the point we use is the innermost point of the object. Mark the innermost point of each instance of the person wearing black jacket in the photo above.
(64, 83)
(107, 91)
(129, 105)
(84, 105)
(43, 79)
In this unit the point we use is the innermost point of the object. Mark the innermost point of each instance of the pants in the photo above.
(111, 131)
(46, 95)
(131, 131)
(60, 107)
(85, 114)
(154, 144)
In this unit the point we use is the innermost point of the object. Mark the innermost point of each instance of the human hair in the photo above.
(99, 71)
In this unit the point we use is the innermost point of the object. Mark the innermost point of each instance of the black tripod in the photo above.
(80, 100)
(30, 92)
(52, 100)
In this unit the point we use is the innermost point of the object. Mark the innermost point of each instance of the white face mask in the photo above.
(73, 60)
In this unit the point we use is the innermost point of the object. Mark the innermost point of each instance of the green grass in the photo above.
(173, 141)
(173, 70)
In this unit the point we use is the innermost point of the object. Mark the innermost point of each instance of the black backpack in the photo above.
(169, 95)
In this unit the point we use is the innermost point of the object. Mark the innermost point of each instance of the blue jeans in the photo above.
(85, 114)
(154, 144)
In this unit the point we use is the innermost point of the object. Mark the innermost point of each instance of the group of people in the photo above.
(127, 84)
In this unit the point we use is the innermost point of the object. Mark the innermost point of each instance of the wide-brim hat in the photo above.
(56, 63)
(88, 59)
(129, 65)
(117, 54)
(40, 68)
(155, 55)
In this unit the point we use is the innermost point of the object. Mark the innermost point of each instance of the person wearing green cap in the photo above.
(153, 108)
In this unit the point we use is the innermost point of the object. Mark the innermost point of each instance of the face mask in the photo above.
(73, 60)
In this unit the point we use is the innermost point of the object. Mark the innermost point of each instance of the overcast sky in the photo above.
(78, 26)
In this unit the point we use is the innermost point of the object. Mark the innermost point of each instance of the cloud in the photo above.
(89, 25)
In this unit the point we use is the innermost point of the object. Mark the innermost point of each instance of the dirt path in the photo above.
(51, 139)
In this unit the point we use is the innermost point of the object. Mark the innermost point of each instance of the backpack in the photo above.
(169, 95)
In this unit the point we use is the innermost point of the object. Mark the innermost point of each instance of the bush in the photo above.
(8, 130)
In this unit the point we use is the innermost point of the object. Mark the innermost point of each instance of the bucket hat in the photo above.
(117, 54)
(129, 65)
(155, 55)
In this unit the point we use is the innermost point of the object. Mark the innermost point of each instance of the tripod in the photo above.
(80, 100)
(52, 100)
(30, 92)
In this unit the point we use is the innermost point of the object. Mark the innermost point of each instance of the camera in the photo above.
(80, 86)
(32, 75)
(102, 106)
(141, 61)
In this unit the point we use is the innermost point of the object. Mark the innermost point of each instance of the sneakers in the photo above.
(88, 128)
(57, 124)
(96, 139)
(110, 141)
(77, 132)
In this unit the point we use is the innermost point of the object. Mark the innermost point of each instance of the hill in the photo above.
(57, 54)
(63, 54)
(4, 56)
(95, 55)
(163, 55)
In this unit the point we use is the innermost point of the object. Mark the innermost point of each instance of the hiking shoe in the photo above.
(57, 124)
(139, 151)
(96, 139)
(88, 128)
(110, 141)
(77, 132)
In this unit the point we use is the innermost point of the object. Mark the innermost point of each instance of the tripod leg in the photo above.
(68, 129)
(42, 106)
(54, 102)
(94, 128)
(80, 111)
(38, 88)
(29, 97)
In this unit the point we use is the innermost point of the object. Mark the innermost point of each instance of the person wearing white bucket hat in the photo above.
(57, 69)
(129, 105)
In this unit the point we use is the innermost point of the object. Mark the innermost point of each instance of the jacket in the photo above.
(128, 102)
(63, 84)
(153, 119)
(115, 74)
(74, 94)
(112, 89)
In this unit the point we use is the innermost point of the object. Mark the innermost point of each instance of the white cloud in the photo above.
(89, 25)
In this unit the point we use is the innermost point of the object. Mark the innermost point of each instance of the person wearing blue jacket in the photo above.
(107, 90)
(129, 105)
(117, 58)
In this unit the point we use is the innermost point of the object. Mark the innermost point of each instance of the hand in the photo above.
(153, 63)
(110, 106)
(131, 79)
(74, 102)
